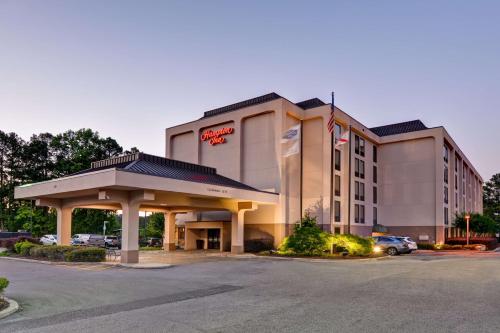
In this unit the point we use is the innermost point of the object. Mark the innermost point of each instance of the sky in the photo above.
(130, 69)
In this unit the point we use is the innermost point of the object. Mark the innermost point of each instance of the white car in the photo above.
(412, 245)
(49, 240)
(80, 239)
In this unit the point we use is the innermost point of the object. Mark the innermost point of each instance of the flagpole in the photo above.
(301, 166)
(350, 181)
(332, 172)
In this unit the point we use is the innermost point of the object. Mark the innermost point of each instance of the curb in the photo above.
(13, 307)
(145, 266)
(321, 260)
(58, 263)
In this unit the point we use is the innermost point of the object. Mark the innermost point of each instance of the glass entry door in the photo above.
(213, 239)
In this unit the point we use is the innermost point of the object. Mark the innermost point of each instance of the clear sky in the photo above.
(129, 69)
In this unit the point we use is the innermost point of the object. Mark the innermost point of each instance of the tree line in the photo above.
(46, 156)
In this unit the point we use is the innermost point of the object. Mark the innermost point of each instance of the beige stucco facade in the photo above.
(409, 183)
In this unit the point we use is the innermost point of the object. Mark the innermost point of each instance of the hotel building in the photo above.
(229, 177)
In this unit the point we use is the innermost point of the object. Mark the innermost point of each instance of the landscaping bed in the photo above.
(309, 241)
(335, 256)
(26, 249)
(450, 247)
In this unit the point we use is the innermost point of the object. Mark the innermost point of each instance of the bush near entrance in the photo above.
(60, 252)
(308, 239)
(90, 254)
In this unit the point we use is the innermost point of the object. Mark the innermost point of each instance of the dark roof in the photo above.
(399, 128)
(243, 104)
(168, 168)
(310, 103)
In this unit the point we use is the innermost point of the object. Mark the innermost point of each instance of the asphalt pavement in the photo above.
(402, 294)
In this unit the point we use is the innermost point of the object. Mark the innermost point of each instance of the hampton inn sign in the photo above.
(216, 137)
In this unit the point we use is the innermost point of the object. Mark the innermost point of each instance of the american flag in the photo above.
(331, 121)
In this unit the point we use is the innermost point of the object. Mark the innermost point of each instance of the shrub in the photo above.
(425, 246)
(4, 283)
(307, 239)
(50, 252)
(352, 244)
(9, 243)
(24, 247)
(258, 245)
(89, 254)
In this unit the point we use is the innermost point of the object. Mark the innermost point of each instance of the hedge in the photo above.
(490, 242)
(4, 283)
(60, 252)
(89, 254)
(50, 252)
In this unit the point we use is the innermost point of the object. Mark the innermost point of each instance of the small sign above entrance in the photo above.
(216, 137)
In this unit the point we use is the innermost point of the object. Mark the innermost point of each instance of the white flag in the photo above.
(292, 135)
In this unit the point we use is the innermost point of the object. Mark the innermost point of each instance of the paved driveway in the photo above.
(403, 294)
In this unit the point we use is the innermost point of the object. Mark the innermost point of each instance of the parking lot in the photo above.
(417, 293)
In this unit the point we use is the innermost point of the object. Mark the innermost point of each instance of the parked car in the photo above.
(390, 245)
(154, 241)
(96, 240)
(80, 239)
(49, 240)
(111, 241)
(412, 245)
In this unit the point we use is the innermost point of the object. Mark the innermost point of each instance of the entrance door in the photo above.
(213, 239)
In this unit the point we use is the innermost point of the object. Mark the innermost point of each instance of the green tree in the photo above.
(307, 238)
(491, 198)
(74, 151)
(11, 175)
(478, 224)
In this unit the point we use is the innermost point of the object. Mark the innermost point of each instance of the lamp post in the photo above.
(467, 219)
(104, 228)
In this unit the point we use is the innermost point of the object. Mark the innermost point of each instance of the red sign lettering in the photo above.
(216, 137)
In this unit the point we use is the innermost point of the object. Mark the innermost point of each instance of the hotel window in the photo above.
(375, 195)
(446, 218)
(445, 154)
(359, 168)
(359, 214)
(362, 191)
(359, 191)
(337, 160)
(337, 185)
(445, 195)
(375, 217)
(456, 199)
(337, 211)
(359, 145)
(374, 154)
(375, 178)
(456, 164)
(338, 131)
(446, 175)
(456, 182)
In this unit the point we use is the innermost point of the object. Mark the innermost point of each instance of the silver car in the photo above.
(412, 245)
(390, 245)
